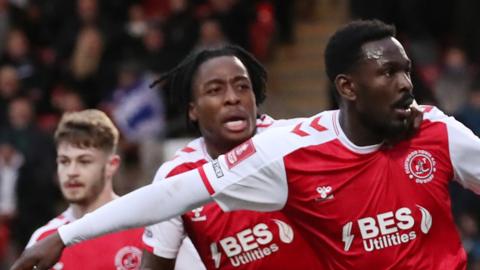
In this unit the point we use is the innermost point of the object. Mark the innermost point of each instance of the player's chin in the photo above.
(238, 137)
(75, 199)
(73, 196)
(396, 129)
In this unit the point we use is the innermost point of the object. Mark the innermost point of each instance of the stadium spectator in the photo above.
(180, 28)
(139, 113)
(211, 34)
(468, 228)
(86, 65)
(235, 18)
(18, 54)
(35, 176)
(136, 26)
(9, 89)
(154, 52)
(10, 163)
(452, 86)
(469, 112)
(68, 100)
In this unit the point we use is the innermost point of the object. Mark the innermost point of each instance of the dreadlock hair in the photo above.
(177, 83)
(344, 48)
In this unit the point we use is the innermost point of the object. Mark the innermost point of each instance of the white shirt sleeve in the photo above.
(169, 240)
(165, 238)
(188, 258)
(464, 148)
(251, 176)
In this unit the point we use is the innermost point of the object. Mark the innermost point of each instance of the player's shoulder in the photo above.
(266, 121)
(318, 125)
(314, 130)
(432, 113)
(433, 116)
(49, 228)
(191, 155)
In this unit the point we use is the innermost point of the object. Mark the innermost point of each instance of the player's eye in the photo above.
(213, 90)
(63, 161)
(84, 161)
(388, 72)
(243, 86)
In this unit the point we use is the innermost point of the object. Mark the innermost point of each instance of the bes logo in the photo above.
(420, 165)
(251, 244)
(386, 229)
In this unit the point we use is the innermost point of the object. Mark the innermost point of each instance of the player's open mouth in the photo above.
(236, 125)
(402, 108)
(73, 185)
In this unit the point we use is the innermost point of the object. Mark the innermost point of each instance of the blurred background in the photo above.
(66, 55)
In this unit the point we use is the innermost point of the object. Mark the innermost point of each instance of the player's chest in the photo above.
(390, 195)
(389, 184)
(330, 178)
(209, 222)
(121, 250)
(240, 238)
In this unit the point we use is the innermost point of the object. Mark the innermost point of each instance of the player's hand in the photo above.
(412, 124)
(41, 256)
(414, 121)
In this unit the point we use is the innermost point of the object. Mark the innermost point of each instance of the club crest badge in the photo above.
(128, 258)
(420, 166)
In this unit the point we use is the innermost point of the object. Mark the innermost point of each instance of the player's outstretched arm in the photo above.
(152, 262)
(42, 255)
(148, 205)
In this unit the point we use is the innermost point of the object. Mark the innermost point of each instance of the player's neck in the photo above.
(355, 131)
(215, 150)
(79, 210)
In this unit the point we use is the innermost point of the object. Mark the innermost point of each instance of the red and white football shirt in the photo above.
(240, 239)
(115, 251)
(370, 207)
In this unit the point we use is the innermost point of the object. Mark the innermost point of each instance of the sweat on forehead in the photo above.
(344, 48)
(378, 49)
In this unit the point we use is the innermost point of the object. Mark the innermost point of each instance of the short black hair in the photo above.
(177, 83)
(344, 48)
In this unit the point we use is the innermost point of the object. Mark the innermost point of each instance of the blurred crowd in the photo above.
(58, 56)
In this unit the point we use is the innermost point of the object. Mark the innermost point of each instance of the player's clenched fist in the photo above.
(42, 255)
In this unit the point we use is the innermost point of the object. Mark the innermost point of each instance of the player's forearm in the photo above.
(145, 206)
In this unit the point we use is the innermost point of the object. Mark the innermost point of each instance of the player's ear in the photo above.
(192, 112)
(346, 87)
(112, 165)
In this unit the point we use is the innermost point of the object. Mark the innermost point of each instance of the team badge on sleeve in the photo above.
(240, 153)
(420, 165)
